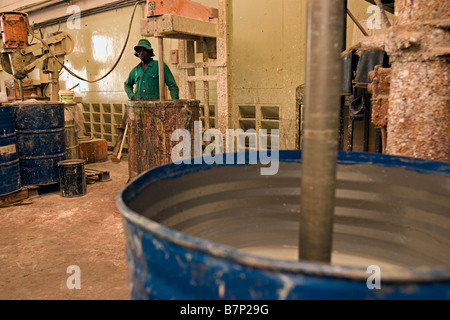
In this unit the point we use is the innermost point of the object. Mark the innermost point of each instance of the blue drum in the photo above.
(200, 232)
(9, 160)
(40, 141)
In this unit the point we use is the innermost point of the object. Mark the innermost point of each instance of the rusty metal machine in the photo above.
(186, 8)
(19, 58)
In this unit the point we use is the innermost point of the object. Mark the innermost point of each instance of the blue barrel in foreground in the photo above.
(9, 160)
(211, 232)
(40, 141)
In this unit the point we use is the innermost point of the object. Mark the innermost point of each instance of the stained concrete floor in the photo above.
(41, 240)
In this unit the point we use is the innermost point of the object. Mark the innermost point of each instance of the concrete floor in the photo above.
(39, 241)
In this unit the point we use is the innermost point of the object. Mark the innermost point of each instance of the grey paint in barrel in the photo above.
(226, 232)
(40, 140)
(9, 160)
(321, 128)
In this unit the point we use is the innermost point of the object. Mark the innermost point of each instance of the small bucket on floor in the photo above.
(72, 178)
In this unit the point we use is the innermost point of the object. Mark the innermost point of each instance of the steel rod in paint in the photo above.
(162, 95)
(323, 83)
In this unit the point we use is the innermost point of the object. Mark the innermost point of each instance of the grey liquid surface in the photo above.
(387, 216)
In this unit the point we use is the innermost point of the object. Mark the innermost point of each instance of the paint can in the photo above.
(9, 160)
(40, 141)
(72, 178)
(151, 124)
(66, 96)
(200, 232)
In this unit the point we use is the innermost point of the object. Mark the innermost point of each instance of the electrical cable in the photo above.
(115, 64)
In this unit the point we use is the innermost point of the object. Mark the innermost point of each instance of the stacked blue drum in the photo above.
(9, 161)
(40, 141)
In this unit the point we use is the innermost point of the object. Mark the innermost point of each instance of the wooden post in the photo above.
(225, 95)
(205, 86)
(162, 85)
(187, 55)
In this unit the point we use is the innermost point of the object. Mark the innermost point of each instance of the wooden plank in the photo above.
(202, 78)
(210, 64)
(187, 56)
(225, 93)
(13, 198)
(93, 175)
(173, 26)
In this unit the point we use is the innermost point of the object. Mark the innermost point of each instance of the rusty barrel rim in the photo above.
(171, 171)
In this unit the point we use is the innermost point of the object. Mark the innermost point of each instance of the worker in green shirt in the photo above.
(143, 80)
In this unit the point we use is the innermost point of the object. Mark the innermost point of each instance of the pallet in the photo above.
(93, 176)
(21, 197)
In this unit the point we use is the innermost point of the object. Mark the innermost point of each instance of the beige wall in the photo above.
(267, 58)
(268, 55)
(98, 43)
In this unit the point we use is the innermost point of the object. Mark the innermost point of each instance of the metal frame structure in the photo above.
(212, 40)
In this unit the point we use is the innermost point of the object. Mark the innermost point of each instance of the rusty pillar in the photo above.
(151, 125)
(419, 111)
(380, 90)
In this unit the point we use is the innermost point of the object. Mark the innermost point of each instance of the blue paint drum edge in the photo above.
(173, 171)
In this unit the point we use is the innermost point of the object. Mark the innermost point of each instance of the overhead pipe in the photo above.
(107, 7)
(33, 5)
(322, 108)
(47, 6)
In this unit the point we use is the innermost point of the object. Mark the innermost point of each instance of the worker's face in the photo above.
(143, 54)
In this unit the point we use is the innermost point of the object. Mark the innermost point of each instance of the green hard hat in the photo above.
(144, 43)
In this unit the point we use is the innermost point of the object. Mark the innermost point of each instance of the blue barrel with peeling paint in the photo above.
(9, 160)
(193, 232)
(40, 141)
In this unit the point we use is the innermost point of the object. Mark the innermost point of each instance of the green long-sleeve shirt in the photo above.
(144, 85)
